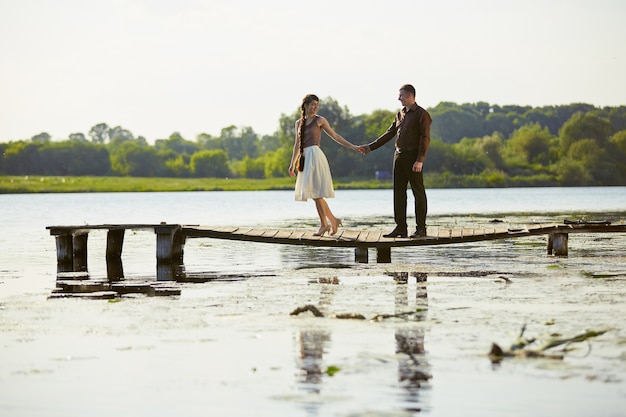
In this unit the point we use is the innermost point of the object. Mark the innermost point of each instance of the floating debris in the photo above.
(95, 295)
(354, 316)
(521, 348)
(332, 370)
(309, 307)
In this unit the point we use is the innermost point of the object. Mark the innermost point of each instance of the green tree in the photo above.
(451, 123)
(22, 158)
(572, 173)
(277, 163)
(176, 165)
(119, 134)
(210, 163)
(619, 141)
(493, 147)
(617, 117)
(441, 157)
(618, 152)
(99, 133)
(269, 143)
(136, 159)
(249, 168)
(43, 137)
(79, 137)
(531, 143)
(499, 122)
(595, 161)
(73, 157)
(472, 160)
(178, 144)
(585, 126)
(239, 143)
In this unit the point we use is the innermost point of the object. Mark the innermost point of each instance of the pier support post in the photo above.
(361, 255)
(115, 242)
(79, 243)
(383, 254)
(557, 244)
(65, 253)
(169, 243)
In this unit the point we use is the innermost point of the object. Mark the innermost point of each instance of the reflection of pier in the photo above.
(71, 241)
(413, 370)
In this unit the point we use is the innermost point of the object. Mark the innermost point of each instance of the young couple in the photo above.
(411, 128)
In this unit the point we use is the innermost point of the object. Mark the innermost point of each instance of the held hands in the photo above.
(358, 149)
(363, 149)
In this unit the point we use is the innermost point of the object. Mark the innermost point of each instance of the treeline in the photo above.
(473, 145)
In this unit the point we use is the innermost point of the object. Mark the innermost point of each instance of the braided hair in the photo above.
(306, 100)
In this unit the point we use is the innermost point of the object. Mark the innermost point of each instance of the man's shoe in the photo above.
(397, 232)
(419, 233)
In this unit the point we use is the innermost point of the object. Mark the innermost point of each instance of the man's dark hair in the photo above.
(408, 88)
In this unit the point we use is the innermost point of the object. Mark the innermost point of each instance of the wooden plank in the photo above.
(373, 236)
(349, 235)
(224, 229)
(456, 233)
(269, 233)
(309, 235)
(284, 234)
(298, 234)
(256, 232)
(242, 231)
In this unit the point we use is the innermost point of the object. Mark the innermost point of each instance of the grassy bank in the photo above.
(40, 184)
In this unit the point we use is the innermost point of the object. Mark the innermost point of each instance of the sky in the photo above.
(156, 67)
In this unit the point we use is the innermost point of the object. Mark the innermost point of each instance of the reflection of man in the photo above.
(312, 344)
(413, 365)
(412, 129)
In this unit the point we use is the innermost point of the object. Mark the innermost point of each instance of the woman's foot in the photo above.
(323, 229)
(336, 225)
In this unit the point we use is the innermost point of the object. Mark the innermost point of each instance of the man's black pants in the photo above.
(402, 176)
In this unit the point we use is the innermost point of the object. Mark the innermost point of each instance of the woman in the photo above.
(315, 180)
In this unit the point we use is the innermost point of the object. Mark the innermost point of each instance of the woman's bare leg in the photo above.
(326, 215)
(321, 206)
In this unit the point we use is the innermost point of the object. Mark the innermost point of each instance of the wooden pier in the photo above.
(71, 241)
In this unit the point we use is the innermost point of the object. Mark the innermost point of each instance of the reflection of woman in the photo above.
(315, 180)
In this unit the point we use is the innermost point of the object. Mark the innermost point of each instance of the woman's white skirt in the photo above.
(315, 180)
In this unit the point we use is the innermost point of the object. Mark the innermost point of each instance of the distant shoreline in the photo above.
(37, 184)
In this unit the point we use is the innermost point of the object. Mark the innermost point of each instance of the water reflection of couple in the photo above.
(413, 368)
(411, 128)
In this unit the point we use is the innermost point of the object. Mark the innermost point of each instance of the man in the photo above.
(412, 131)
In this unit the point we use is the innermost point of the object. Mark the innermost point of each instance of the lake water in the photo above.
(227, 345)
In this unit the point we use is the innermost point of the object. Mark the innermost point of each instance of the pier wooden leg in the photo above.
(65, 253)
(178, 244)
(167, 244)
(361, 255)
(79, 242)
(550, 243)
(559, 244)
(115, 242)
(383, 255)
(115, 269)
